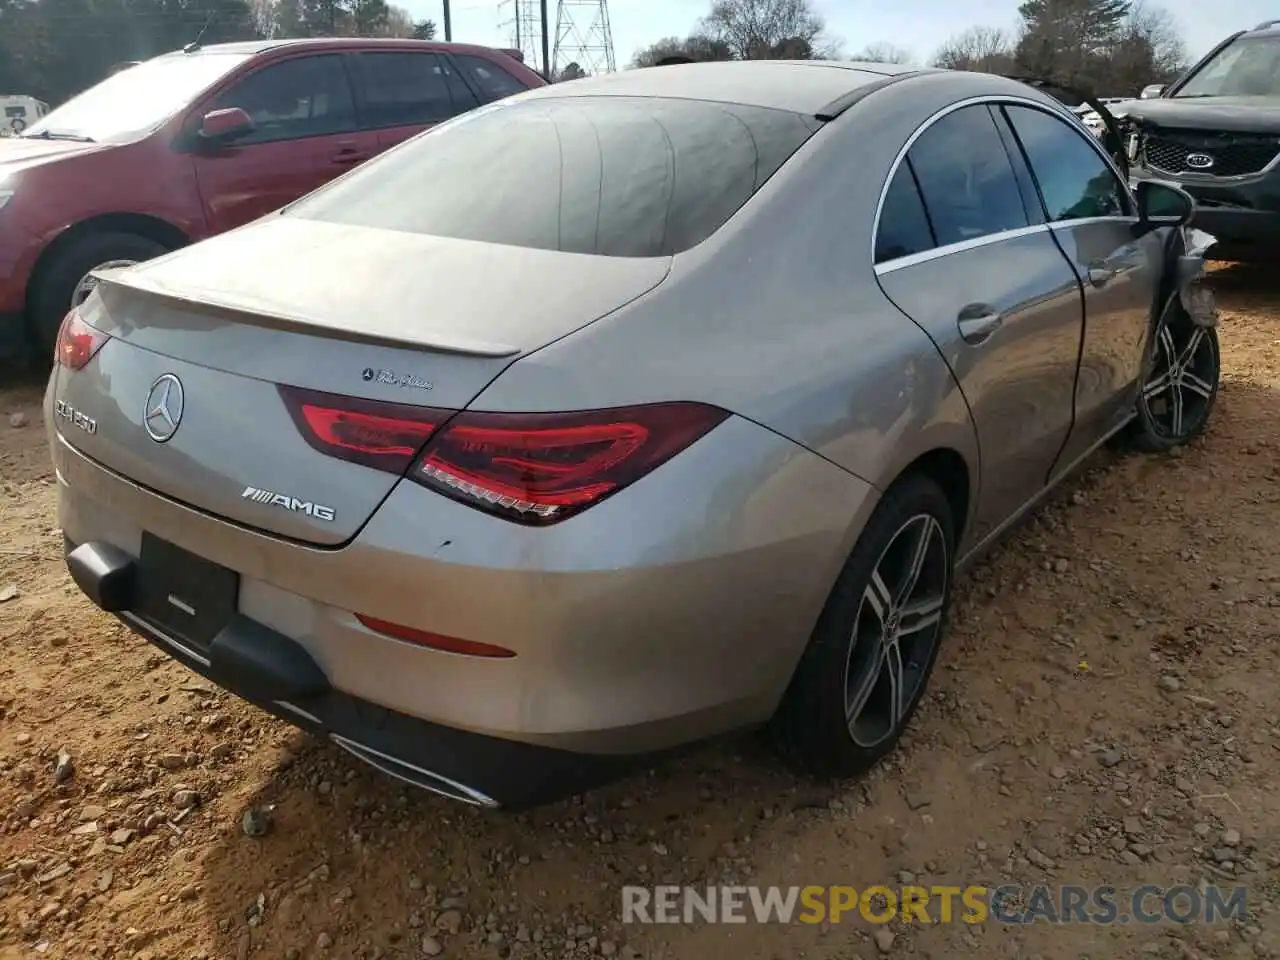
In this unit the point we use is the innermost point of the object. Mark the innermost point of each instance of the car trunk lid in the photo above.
(190, 396)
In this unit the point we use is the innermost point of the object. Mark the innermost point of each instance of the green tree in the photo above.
(424, 30)
(1067, 39)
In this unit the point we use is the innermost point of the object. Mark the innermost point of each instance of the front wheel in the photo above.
(1181, 384)
(873, 650)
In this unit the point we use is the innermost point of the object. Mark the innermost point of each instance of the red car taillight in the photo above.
(539, 468)
(77, 342)
(385, 436)
(532, 468)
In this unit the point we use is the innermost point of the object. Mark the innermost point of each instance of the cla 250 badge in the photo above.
(74, 417)
(286, 502)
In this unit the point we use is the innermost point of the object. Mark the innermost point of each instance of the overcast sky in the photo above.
(920, 26)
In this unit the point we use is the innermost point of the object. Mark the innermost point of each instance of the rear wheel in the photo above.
(67, 282)
(1181, 385)
(873, 650)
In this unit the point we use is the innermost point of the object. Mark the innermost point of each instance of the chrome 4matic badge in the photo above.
(285, 502)
(392, 379)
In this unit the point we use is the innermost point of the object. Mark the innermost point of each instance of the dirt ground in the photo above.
(1105, 712)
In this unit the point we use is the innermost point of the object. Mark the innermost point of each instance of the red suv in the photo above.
(193, 143)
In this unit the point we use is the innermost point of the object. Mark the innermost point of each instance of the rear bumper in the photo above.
(275, 673)
(668, 614)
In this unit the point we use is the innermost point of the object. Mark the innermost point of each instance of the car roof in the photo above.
(255, 47)
(802, 86)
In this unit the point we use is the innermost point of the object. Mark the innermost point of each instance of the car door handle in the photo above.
(350, 154)
(1100, 276)
(978, 321)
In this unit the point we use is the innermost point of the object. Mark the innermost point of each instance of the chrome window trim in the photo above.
(946, 249)
(937, 253)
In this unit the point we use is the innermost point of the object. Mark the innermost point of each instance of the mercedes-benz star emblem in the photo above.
(164, 408)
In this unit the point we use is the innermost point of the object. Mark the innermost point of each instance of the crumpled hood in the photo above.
(1233, 114)
(20, 153)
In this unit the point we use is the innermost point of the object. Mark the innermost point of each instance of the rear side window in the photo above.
(612, 176)
(408, 89)
(904, 226)
(966, 178)
(491, 80)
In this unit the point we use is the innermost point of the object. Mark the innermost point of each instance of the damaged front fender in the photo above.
(1194, 293)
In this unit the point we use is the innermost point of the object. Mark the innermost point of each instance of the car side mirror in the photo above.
(1162, 204)
(224, 126)
(1151, 91)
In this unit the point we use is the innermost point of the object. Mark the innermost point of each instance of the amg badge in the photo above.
(317, 510)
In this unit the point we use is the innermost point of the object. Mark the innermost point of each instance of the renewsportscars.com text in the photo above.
(1005, 903)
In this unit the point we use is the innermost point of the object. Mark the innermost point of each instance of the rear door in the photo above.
(962, 250)
(403, 92)
(1092, 216)
(306, 135)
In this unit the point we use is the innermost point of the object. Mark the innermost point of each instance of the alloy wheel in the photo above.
(1179, 390)
(897, 627)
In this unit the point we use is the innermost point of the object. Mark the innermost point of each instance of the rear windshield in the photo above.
(612, 176)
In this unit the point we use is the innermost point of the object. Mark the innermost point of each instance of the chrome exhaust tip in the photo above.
(414, 775)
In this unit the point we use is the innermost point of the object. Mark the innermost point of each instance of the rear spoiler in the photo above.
(1070, 95)
(262, 315)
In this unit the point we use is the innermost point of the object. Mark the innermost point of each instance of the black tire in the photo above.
(51, 298)
(1154, 429)
(810, 728)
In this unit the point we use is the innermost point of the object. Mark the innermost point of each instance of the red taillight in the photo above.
(77, 342)
(385, 436)
(533, 468)
(539, 468)
(434, 641)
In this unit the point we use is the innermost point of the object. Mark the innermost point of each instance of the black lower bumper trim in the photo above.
(104, 573)
(276, 674)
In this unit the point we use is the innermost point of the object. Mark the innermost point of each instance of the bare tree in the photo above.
(883, 53)
(695, 47)
(1149, 49)
(262, 14)
(982, 49)
(397, 24)
(766, 29)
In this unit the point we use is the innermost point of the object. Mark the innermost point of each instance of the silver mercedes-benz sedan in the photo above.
(623, 413)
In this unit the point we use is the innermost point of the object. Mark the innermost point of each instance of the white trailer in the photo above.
(19, 112)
